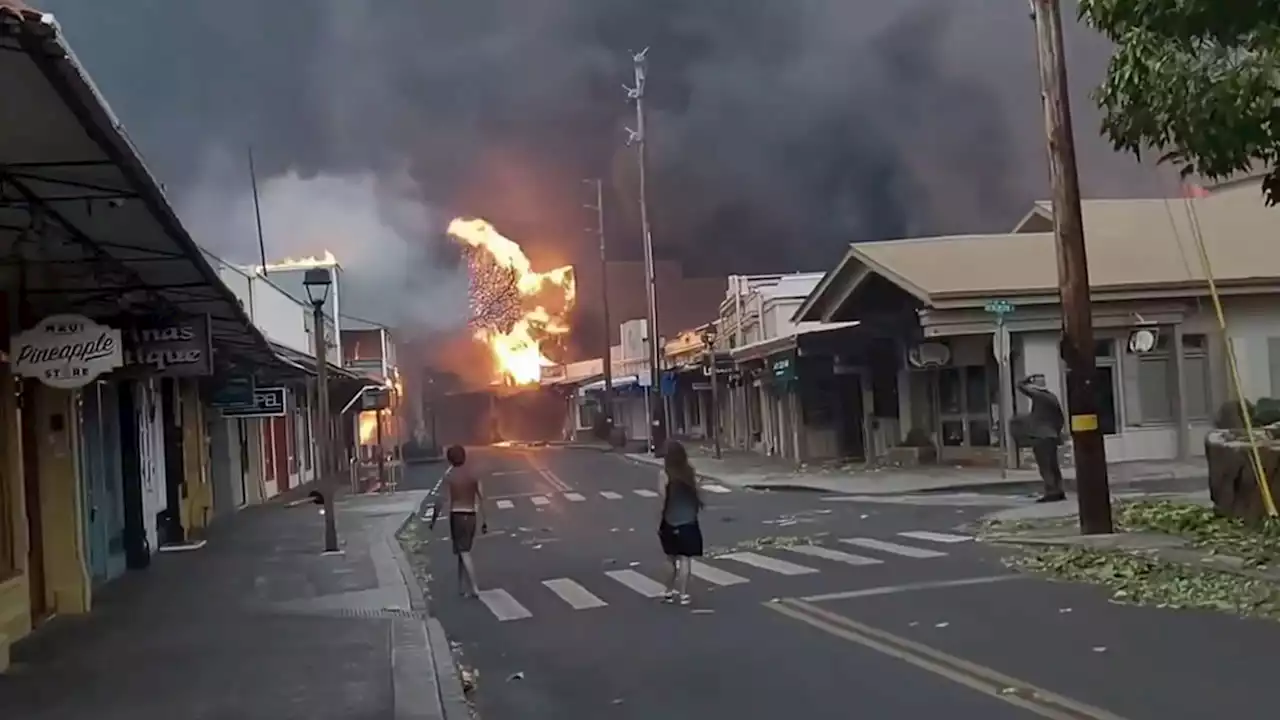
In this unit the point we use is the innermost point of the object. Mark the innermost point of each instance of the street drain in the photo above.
(356, 613)
(379, 614)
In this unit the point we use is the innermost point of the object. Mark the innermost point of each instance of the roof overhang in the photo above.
(1183, 290)
(1036, 216)
(84, 226)
(304, 363)
(785, 343)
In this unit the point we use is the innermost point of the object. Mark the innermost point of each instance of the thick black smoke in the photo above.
(779, 131)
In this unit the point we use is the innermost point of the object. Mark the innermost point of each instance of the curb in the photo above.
(448, 702)
(584, 446)
(1177, 552)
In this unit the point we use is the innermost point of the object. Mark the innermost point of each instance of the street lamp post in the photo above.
(713, 417)
(317, 282)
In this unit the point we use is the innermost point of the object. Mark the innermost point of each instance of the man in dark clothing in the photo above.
(1042, 430)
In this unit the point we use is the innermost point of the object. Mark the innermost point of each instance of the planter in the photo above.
(1233, 486)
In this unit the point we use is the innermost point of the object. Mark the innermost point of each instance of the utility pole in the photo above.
(606, 396)
(638, 137)
(1092, 488)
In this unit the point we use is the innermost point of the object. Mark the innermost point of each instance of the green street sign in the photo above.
(999, 307)
(783, 369)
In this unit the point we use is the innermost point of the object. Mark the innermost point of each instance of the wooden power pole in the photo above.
(1073, 276)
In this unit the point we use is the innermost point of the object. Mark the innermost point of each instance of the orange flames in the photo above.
(515, 342)
(325, 260)
(368, 427)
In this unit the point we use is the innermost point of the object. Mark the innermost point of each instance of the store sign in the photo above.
(379, 399)
(783, 369)
(66, 351)
(267, 402)
(180, 348)
(232, 392)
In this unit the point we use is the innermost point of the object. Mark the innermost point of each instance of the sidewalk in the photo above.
(258, 624)
(743, 469)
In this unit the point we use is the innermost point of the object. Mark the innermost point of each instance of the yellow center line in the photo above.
(977, 677)
(552, 479)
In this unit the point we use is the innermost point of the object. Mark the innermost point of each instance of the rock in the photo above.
(1233, 486)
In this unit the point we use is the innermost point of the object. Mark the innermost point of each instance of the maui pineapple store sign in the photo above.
(66, 351)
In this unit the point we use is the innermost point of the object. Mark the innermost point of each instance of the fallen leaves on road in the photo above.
(766, 542)
(1257, 546)
(1141, 579)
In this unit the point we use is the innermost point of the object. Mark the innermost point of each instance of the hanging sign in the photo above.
(178, 348)
(66, 351)
(267, 402)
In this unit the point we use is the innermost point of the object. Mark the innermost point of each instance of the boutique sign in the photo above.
(66, 351)
(178, 348)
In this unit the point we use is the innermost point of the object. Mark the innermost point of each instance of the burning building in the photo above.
(517, 315)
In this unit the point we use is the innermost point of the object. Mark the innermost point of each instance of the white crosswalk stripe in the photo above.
(505, 504)
(827, 553)
(578, 593)
(573, 497)
(540, 500)
(764, 562)
(892, 548)
(718, 489)
(645, 493)
(610, 495)
(715, 576)
(578, 597)
(644, 585)
(946, 538)
(503, 606)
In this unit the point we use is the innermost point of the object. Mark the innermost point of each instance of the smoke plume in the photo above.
(378, 228)
(778, 131)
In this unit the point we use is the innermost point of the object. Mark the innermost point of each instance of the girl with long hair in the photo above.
(678, 528)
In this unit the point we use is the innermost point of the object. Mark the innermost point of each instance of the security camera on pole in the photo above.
(657, 417)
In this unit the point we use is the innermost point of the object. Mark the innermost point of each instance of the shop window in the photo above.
(1157, 383)
(964, 402)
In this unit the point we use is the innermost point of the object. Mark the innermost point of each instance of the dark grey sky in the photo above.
(779, 130)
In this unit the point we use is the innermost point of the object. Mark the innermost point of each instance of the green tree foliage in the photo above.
(1198, 80)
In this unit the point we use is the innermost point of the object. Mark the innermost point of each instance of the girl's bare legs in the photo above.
(684, 569)
(470, 569)
(673, 564)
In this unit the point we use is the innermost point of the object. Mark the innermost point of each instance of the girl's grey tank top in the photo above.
(680, 506)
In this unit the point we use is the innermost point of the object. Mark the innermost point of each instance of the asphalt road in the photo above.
(832, 609)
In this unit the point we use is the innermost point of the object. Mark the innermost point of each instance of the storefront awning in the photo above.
(618, 383)
(303, 363)
(773, 346)
(84, 223)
